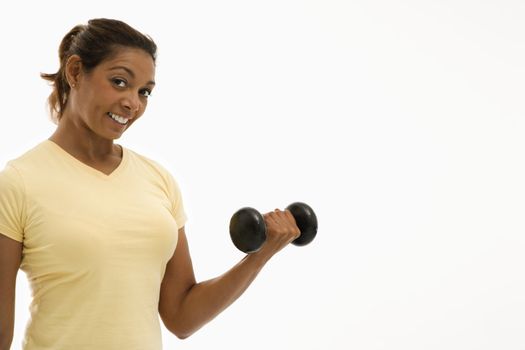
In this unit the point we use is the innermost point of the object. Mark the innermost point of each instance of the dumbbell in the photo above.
(248, 229)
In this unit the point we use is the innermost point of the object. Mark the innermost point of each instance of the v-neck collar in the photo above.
(71, 159)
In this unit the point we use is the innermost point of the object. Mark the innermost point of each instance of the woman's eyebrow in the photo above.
(131, 73)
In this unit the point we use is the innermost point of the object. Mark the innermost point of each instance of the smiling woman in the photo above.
(99, 228)
(106, 74)
(89, 45)
(110, 97)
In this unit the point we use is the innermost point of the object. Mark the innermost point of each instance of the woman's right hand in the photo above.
(281, 229)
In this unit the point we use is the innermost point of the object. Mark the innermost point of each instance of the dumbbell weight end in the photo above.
(306, 221)
(247, 230)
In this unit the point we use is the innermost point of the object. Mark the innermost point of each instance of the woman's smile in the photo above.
(119, 119)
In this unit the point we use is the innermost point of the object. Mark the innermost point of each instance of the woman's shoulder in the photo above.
(36, 156)
(148, 163)
(28, 162)
(145, 160)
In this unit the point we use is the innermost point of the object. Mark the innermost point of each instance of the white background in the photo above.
(400, 122)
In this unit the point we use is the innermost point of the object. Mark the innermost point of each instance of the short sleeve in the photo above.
(177, 205)
(12, 204)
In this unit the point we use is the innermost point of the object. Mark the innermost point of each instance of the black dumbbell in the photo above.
(248, 230)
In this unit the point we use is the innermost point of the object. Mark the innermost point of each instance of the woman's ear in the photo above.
(73, 70)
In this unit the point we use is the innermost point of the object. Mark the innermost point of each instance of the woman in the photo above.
(98, 228)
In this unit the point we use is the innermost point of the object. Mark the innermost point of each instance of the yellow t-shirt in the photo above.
(95, 247)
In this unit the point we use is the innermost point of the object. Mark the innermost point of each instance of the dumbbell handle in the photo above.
(248, 229)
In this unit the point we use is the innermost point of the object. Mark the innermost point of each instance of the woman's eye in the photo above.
(146, 93)
(119, 82)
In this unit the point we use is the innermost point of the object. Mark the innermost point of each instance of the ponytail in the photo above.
(58, 97)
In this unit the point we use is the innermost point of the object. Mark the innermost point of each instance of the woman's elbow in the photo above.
(182, 336)
(179, 329)
(181, 333)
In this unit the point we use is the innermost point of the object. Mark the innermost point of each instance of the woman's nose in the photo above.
(132, 103)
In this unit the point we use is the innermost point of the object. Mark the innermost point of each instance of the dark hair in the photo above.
(93, 43)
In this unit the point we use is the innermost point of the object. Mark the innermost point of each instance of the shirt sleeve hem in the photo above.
(11, 233)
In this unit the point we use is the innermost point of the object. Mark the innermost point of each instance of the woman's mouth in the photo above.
(117, 118)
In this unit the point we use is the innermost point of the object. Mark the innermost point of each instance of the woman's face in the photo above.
(108, 99)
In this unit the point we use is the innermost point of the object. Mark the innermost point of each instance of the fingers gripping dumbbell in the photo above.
(248, 229)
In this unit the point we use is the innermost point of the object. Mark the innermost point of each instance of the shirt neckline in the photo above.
(74, 161)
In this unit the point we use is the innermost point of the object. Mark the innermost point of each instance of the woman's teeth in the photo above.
(118, 118)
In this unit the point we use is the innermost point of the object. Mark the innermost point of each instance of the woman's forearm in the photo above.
(207, 299)
(201, 302)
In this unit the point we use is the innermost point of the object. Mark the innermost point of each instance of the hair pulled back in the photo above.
(93, 43)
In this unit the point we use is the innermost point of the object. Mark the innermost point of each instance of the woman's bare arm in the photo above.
(185, 306)
(10, 257)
